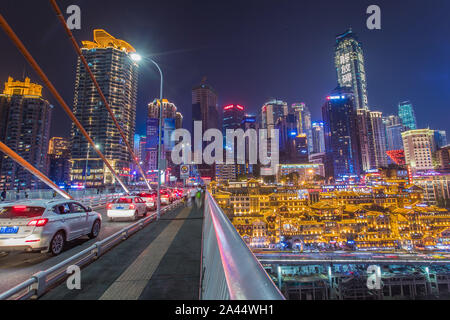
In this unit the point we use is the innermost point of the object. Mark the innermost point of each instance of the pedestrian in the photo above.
(198, 198)
(17, 194)
(26, 195)
(3, 195)
(54, 194)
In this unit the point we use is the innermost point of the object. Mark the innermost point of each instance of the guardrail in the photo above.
(12, 195)
(43, 281)
(230, 271)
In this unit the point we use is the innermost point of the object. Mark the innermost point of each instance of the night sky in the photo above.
(250, 51)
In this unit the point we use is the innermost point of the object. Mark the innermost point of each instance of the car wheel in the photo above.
(95, 229)
(57, 243)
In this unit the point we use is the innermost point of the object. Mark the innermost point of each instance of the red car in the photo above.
(149, 198)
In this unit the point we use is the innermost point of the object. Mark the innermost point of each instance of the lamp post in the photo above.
(136, 57)
(158, 204)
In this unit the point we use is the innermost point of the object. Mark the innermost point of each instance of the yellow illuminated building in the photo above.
(22, 88)
(103, 39)
(385, 217)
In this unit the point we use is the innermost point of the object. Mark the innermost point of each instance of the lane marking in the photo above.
(134, 279)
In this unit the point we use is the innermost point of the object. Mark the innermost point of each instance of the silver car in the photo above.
(45, 225)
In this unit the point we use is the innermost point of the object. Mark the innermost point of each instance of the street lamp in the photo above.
(136, 57)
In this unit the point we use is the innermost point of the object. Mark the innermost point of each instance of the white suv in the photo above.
(45, 225)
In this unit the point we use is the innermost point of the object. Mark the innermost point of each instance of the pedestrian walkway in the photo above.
(162, 261)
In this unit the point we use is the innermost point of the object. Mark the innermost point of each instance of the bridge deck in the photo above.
(162, 261)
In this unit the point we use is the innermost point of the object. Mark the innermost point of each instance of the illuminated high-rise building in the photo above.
(111, 61)
(394, 129)
(178, 120)
(169, 124)
(407, 115)
(271, 112)
(349, 63)
(249, 122)
(169, 109)
(24, 127)
(419, 148)
(58, 160)
(440, 138)
(205, 109)
(303, 119)
(372, 139)
(232, 117)
(318, 137)
(341, 135)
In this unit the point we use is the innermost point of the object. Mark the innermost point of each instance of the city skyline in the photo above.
(300, 83)
(260, 150)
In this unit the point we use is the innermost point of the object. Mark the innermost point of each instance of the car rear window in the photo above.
(146, 195)
(18, 212)
(123, 200)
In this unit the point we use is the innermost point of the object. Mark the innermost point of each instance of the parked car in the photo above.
(45, 225)
(126, 207)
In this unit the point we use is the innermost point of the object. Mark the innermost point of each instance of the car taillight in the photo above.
(109, 206)
(38, 222)
(132, 206)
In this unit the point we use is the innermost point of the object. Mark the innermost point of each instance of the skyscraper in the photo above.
(394, 137)
(58, 160)
(178, 120)
(205, 109)
(394, 129)
(249, 122)
(232, 120)
(318, 138)
(419, 148)
(341, 135)
(24, 127)
(205, 106)
(407, 115)
(232, 117)
(440, 138)
(349, 63)
(271, 112)
(379, 138)
(169, 115)
(110, 60)
(303, 118)
(372, 139)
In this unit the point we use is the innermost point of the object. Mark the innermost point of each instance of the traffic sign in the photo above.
(184, 171)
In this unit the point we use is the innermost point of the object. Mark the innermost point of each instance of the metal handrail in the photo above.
(43, 281)
(229, 268)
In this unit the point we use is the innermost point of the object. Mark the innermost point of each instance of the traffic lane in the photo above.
(16, 267)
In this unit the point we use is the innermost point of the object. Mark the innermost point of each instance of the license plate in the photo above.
(8, 230)
(119, 208)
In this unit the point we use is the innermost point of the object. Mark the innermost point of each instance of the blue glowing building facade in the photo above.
(341, 135)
